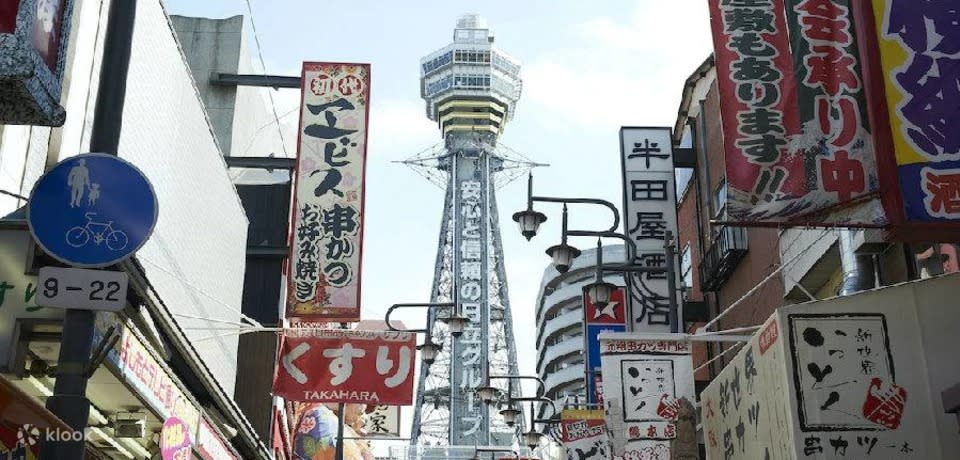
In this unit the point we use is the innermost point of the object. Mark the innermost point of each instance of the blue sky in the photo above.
(588, 68)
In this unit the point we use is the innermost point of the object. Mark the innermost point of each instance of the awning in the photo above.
(19, 408)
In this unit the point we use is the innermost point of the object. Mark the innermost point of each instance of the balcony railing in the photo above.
(721, 259)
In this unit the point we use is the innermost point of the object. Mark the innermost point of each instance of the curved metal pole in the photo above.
(631, 245)
(541, 386)
(609, 205)
(413, 305)
(555, 413)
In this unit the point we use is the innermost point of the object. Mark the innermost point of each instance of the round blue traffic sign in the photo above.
(92, 210)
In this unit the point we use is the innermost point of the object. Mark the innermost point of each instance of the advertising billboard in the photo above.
(798, 148)
(326, 241)
(851, 377)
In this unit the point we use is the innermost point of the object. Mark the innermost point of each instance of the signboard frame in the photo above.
(349, 244)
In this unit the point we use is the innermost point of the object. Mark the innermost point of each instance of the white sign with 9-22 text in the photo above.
(82, 289)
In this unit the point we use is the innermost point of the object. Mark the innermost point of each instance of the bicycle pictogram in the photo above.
(99, 232)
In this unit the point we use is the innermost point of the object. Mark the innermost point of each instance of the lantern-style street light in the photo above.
(430, 349)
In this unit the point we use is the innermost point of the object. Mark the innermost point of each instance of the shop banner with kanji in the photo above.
(858, 376)
(797, 140)
(326, 238)
(919, 43)
(584, 435)
(649, 213)
(646, 377)
(349, 366)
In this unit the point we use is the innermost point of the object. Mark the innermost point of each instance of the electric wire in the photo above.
(263, 65)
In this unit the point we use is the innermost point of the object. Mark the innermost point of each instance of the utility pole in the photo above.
(69, 401)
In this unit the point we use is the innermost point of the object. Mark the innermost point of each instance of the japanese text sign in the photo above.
(919, 44)
(349, 366)
(382, 421)
(650, 211)
(796, 134)
(645, 376)
(584, 435)
(327, 230)
(610, 318)
(840, 378)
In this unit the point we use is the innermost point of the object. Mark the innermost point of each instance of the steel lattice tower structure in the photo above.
(471, 89)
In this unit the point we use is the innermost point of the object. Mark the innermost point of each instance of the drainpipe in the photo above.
(858, 269)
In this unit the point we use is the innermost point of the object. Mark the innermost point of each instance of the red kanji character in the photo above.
(848, 119)
(349, 85)
(670, 431)
(321, 85)
(884, 403)
(713, 438)
(710, 408)
(943, 197)
(825, 21)
(652, 431)
(831, 68)
(634, 432)
(843, 175)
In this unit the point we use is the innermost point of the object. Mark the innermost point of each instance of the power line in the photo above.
(263, 65)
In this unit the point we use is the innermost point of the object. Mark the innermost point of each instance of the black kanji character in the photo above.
(648, 190)
(339, 221)
(749, 20)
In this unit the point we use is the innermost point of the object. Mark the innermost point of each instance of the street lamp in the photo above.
(488, 394)
(529, 220)
(563, 254)
(600, 291)
(429, 349)
(510, 414)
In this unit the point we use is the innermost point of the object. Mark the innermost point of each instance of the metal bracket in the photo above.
(106, 343)
(268, 81)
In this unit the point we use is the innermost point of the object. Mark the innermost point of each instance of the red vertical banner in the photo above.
(326, 241)
(797, 144)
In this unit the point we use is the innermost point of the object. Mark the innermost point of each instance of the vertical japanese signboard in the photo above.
(326, 239)
(645, 377)
(349, 366)
(611, 318)
(650, 210)
(849, 377)
(584, 435)
(919, 48)
(469, 371)
(381, 420)
(797, 143)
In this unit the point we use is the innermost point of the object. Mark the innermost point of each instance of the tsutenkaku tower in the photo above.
(471, 90)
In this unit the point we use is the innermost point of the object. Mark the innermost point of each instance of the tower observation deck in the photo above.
(471, 89)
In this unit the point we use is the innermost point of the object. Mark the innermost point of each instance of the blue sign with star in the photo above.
(593, 352)
(92, 210)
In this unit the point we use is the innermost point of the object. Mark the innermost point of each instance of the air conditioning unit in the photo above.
(131, 426)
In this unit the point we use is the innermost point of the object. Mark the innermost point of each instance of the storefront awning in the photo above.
(19, 408)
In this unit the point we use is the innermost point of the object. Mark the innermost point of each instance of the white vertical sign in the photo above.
(650, 211)
(645, 377)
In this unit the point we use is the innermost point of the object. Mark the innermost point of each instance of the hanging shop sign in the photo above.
(645, 379)
(381, 420)
(175, 440)
(210, 444)
(650, 211)
(797, 139)
(326, 241)
(34, 37)
(916, 49)
(584, 435)
(851, 377)
(349, 366)
(611, 318)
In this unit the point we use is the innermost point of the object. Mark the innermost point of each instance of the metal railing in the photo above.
(726, 250)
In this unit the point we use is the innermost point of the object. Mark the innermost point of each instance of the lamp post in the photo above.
(481, 449)
(599, 291)
(488, 393)
(456, 323)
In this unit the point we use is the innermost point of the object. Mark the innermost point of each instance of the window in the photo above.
(720, 200)
(686, 266)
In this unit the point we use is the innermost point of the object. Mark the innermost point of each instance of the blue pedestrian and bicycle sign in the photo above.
(92, 210)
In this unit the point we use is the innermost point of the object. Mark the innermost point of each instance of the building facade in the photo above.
(186, 281)
(744, 274)
(560, 324)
